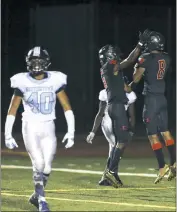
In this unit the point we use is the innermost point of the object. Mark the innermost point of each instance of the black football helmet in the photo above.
(109, 52)
(156, 41)
(37, 60)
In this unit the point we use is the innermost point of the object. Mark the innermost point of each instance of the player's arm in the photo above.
(135, 53)
(10, 119)
(139, 70)
(99, 116)
(131, 58)
(69, 115)
(97, 121)
(137, 76)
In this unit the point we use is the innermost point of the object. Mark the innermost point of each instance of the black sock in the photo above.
(113, 167)
(45, 179)
(172, 151)
(160, 157)
(108, 162)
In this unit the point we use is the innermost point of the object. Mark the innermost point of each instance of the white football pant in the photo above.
(40, 142)
(106, 127)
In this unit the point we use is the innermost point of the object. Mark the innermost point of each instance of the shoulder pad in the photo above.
(60, 78)
(17, 80)
(103, 95)
(144, 55)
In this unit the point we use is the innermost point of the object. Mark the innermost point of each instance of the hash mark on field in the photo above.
(88, 166)
(80, 171)
(70, 164)
(98, 202)
(130, 168)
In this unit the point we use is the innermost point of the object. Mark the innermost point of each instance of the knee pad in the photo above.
(47, 169)
(38, 165)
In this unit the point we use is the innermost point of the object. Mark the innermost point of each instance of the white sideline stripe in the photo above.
(80, 171)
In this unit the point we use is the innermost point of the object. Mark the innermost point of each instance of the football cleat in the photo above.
(172, 172)
(104, 182)
(43, 206)
(34, 200)
(112, 179)
(118, 180)
(162, 172)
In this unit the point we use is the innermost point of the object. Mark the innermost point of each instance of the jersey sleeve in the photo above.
(17, 82)
(60, 81)
(113, 67)
(103, 96)
(131, 97)
(18, 92)
(142, 61)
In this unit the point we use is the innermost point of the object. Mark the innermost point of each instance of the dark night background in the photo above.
(73, 32)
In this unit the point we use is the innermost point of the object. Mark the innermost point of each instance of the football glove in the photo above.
(10, 143)
(143, 37)
(90, 137)
(70, 140)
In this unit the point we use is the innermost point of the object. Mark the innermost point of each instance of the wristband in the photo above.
(140, 45)
(10, 119)
(70, 121)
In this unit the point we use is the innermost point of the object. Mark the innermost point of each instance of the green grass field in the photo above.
(70, 191)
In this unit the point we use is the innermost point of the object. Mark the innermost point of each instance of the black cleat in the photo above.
(104, 182)
(112, 178)
(118, 179)
(34, 200)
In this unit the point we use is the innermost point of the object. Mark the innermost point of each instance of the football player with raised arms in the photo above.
(38, 90)
(102, 117)
(112, 78)
(154, 64)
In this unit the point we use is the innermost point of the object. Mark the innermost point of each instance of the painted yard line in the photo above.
(92, 189)
(80, 171)
(99, 202)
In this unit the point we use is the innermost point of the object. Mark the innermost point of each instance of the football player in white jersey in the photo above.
(103, 118)
(38, 90)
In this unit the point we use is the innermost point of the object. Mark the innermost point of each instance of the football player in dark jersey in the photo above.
(154, 64)
(112, 77)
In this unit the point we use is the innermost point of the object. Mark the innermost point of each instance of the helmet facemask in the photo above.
(37, 65)
(37, 60)
(109, 52)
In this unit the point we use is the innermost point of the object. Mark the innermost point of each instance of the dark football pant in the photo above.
(119, 119)
(155, 115)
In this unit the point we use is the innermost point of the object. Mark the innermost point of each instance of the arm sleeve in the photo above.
(18, 92)
(60, 89)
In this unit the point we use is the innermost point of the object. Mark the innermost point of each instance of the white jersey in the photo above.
(39, 96)
(131, 98)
